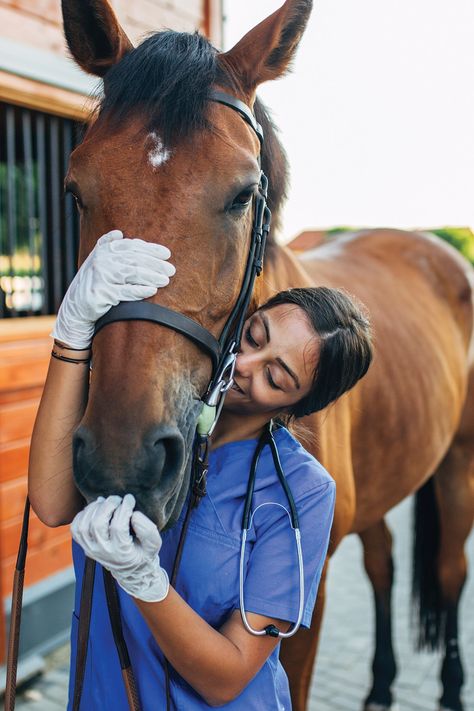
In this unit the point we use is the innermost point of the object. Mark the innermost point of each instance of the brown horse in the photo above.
(162, 162)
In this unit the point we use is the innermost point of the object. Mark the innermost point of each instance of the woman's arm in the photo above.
(51, 489)
(218, 664)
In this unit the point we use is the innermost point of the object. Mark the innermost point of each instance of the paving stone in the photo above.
(349, 623)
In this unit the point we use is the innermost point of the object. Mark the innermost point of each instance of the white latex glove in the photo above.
(116, 270)
(102, 529)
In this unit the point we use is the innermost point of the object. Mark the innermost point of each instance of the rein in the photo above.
(223, 354)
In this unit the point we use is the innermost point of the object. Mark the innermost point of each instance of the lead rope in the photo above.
(113, 604)
(85, 612)
(15, 615)
(198, 491)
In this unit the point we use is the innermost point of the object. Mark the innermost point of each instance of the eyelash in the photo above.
(249, 339)
(254, 344)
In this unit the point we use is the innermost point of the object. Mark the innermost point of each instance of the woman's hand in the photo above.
(104, 530)
(116, 270)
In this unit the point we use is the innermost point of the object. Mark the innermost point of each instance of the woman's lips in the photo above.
(237, 388)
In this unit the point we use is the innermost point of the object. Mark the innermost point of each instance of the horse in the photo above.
(161, 161)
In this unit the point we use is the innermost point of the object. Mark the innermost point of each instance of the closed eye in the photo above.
(250, 339)
(272, 382)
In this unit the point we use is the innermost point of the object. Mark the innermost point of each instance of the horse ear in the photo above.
(266, 51)
(94, 35)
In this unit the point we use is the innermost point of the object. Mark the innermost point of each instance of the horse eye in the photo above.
(243, 199)
(76, 197)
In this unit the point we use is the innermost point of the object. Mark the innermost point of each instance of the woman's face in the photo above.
(276, 363)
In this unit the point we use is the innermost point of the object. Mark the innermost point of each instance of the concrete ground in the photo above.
(343, 669)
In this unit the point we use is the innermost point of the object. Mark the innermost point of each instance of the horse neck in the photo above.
(282, 271)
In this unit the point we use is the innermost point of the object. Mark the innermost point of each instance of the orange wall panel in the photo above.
(16, 420)
(24, 355)
(12, 498)
(14, 459)
(41, 562)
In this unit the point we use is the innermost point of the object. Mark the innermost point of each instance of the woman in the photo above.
(300, 352)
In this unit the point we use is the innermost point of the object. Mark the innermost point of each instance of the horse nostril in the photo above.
(166, 453)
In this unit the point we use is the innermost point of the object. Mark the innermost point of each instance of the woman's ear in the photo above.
(266, 51)
(94, 36)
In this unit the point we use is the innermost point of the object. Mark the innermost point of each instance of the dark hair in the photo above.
(342, 325)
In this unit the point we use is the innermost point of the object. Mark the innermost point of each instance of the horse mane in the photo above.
(167, 79)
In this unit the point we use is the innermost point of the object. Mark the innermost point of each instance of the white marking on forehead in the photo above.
(158, 154)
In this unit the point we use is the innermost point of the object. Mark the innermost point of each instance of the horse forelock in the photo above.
(166, 80)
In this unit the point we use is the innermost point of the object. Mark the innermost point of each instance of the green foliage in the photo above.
(462, 238)
(21, 262)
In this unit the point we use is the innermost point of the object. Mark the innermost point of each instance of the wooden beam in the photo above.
(20, 329)
(212, 21)
(43, 97)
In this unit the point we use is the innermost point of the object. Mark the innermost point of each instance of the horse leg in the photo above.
(454, 489)
(378, 561)
(298, 652)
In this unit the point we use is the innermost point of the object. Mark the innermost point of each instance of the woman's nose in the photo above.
(245, 363)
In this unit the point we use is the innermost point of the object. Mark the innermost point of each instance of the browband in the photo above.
(241, 108)
(146, 311)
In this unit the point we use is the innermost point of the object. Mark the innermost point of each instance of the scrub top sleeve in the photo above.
(271, 585)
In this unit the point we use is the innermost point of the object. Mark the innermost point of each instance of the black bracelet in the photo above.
(69, 348)
(69, 360)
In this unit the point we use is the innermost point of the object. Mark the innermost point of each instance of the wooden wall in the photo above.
(24, 354)
(38, 22)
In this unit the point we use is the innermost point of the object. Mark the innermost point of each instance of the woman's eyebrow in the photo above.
(281, 362)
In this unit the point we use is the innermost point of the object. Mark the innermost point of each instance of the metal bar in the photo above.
(68, 206)
(54, 194)
(42, 208)
(30, 195)
(11, 194)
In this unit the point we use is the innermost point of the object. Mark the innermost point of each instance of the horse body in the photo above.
(410, 402)
(404, 422)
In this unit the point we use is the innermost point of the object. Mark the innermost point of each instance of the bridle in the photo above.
(223, 354)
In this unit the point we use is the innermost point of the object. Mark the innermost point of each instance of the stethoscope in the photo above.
(268, 439)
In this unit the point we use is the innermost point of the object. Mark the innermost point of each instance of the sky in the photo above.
(377, 116)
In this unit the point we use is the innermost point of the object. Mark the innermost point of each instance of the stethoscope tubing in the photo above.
(267, 438)
(297, 624)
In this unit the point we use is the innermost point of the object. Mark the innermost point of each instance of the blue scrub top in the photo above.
(208, 578)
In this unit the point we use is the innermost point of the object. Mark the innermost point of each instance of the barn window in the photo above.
(39, 229)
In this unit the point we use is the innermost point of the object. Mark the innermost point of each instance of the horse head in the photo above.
(162, 162)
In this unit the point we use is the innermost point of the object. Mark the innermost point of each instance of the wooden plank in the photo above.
(43, 97)
(16, 420)
(8, 397)
(31, 350)
(22, 329)
(14, 459)
(24, 373)
(39, 535)
(49, 10)
(12, 499)
(41, 562)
